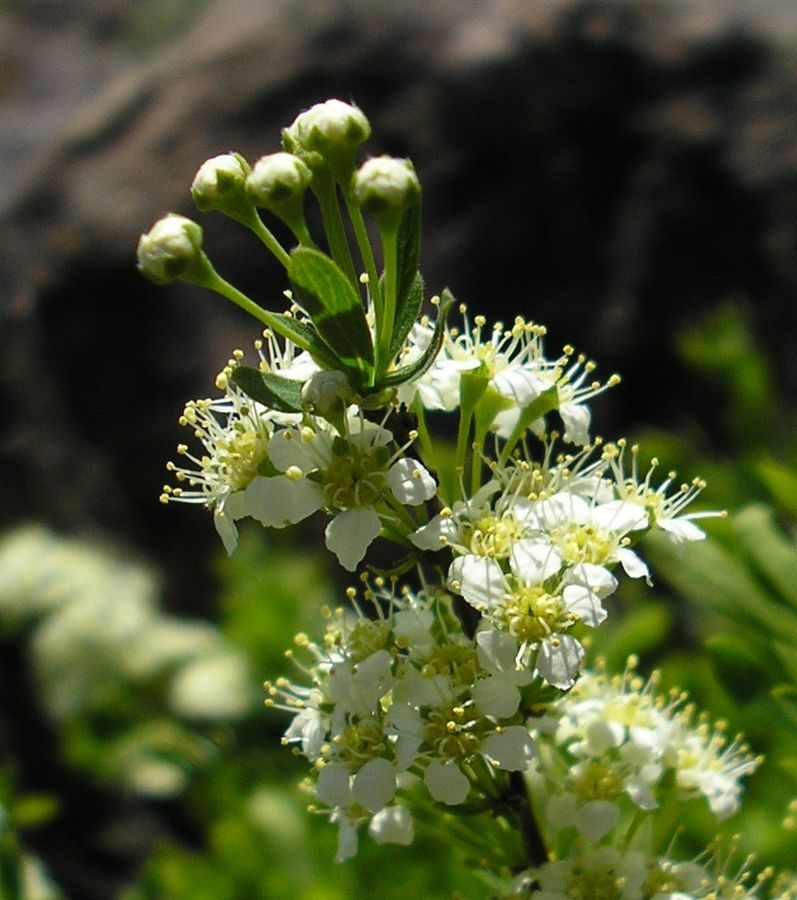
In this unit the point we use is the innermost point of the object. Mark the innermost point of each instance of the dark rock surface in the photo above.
(613, 170)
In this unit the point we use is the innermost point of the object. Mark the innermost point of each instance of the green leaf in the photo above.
(781, 482)
(408, 251)
(304, 337)
(739, 667)
(416, 369)
(408, 308)
(772, 553)
(273, 391)
(335, 307)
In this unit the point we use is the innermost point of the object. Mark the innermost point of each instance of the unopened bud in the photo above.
(169, 248)
(278, 179)
(220, 184)
(328, 132)
(385, 185)
(327, 392)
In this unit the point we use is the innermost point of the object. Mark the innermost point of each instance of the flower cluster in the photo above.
(617, 749)
(465, 690)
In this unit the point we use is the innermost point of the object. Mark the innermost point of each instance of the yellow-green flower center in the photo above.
(454, 732)
(493, 536)
(532, 614)
(598, 782)
(458, 663)
(599, 883)
(583, 544)
(354, 479)
(361, 741)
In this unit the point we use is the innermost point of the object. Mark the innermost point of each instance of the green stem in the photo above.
(385, 332)
(324, 188)
(364, 246)
(207, 276)
(463, 431)
(256, 225)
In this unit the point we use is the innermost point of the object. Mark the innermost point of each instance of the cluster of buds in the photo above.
(467, 689)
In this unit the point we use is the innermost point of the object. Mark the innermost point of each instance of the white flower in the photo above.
(538, 616)
(213, 688)
(347, 476)
(385, 184)
(392, 825)
(446, 782)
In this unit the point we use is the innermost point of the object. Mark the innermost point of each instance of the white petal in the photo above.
(375, 784)
(332, 787)
(511, 749)
(350, 533)
(632, 564)
(410, 482)
(596, 818)
(586, 605)
(496, 696)
(681, 530)
(481, 580)
(576, 421)
(428, 537)
(226, 530)
(559, 660)
(392, 825)
(520, 384)
(446, 783)
(620, 516)
(347, 839)
(286, 449)
(496, 650)
(278, 501)
(533, 562)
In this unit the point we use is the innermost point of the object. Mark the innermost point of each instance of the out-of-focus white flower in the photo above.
(219, 182)
(210, 688)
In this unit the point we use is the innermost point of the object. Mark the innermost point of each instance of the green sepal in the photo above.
(273, 391)
(336, 310)
(304, 337)
(408, 308)
(416, 369)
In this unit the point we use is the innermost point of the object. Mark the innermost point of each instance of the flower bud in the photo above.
(328, 133)
(327, 393)
(278, 179)
(385, 185)
(220, 182)
(169, 248)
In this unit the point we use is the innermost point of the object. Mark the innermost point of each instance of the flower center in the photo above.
(354, 479)
(454, 733)
(531, 614)
(367, 636)
(361, 741)
(598, 782)
(583, 544)
(493, 536)
(459, 664)
(598, 883)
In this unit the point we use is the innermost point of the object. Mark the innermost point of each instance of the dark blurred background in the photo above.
(614, 170)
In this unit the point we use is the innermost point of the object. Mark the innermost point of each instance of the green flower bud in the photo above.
(327, 393)
(169, 249)
(278, 179)
(328, 133)
(385, 186)
(220, 183)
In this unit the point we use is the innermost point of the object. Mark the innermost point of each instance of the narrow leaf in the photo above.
(408, 309)
(773, 554)
(408, 251)
(336, 310)
(425, 361)
(273, 391)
